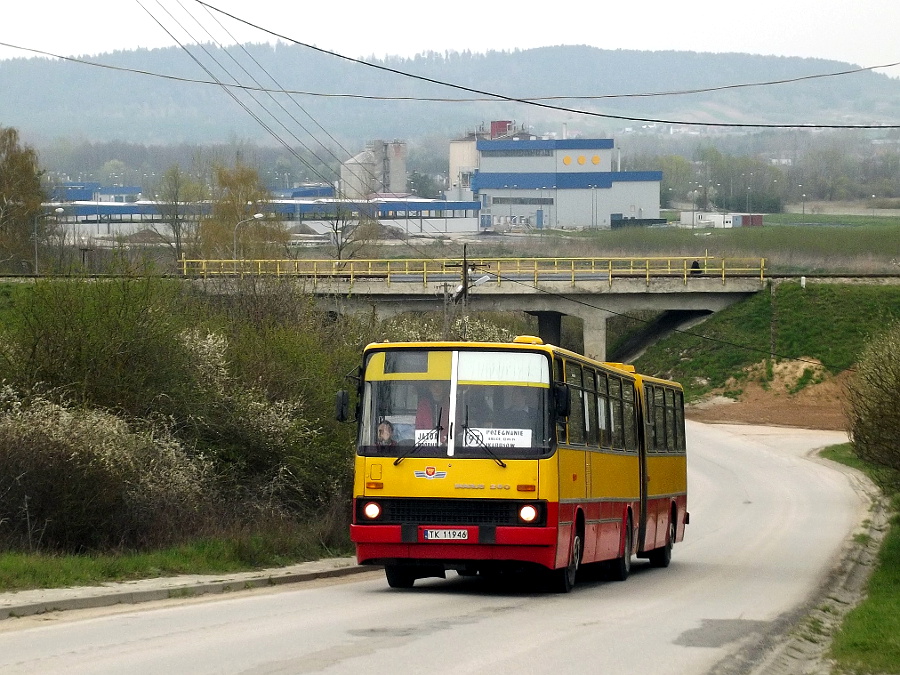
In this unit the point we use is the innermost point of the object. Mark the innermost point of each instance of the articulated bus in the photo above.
(486, 458)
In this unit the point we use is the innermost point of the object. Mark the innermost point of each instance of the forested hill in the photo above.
(49, 100)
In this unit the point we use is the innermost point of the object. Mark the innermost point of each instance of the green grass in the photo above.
(868, 641)
(838, 244)
(830, 219)
(22, 571)
(828, 322)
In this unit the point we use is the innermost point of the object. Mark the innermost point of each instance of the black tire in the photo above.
(662, 556)
(563, 579)
(620, 568)
(399, 576)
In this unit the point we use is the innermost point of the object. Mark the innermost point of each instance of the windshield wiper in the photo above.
(421, 444)
(479, 439)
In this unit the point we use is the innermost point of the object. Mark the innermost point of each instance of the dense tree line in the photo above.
(76, 100)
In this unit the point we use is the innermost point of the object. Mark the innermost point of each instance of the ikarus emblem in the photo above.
(430, 473)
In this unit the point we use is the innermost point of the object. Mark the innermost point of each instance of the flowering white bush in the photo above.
(208, 353)
(430, 328)
(872, 410)
(74, 478)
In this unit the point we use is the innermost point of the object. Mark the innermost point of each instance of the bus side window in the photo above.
(650, 441)
(561, 424)
(615, 413)
(670, 421)
(592, 437)
(659, 419)
(576, 416)
(630, 416)
(603, 411)
(679, 420)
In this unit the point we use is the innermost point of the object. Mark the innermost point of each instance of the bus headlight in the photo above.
(372, 510)
(528, 513)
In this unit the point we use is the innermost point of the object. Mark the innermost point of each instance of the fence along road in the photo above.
(426, 270)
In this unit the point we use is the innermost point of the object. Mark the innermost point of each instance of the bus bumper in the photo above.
(378, 543)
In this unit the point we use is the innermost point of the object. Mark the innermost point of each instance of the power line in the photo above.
(280, 90)
(539, 104)
(230, 93)
(437, 99)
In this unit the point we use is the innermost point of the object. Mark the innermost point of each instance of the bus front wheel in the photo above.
(564, 578)
(399, 576)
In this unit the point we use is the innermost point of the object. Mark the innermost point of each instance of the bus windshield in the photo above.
(486, 405)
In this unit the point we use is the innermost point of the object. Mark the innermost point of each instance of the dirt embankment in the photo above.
(799, 393)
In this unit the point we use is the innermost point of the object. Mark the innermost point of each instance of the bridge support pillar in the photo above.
(595, 335)
(549, 326)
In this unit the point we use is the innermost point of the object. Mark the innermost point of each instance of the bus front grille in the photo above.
(452, 511)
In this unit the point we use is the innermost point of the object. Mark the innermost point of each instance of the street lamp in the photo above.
(693, 208)
(873, 206)
(55, 212)
(255, 216)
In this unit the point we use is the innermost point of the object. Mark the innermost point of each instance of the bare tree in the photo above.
(178, 201)
(351, 232)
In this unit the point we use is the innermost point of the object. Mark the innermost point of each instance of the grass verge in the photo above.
(239, 553)
(868, 640)
(828, 322)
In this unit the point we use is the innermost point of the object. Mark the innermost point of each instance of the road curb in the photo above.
(30, 603)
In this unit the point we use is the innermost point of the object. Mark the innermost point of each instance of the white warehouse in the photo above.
(560, 183)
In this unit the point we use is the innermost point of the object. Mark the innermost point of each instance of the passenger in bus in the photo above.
(385, 434)
(433, 400)
(517, 413)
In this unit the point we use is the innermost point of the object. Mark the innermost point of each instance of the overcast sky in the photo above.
(862, 32)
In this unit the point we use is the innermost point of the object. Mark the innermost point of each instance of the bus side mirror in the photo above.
(342, 406)
(562, 399)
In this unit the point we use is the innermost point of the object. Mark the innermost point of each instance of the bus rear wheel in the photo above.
(662, 556)
(620, 568)
(399, 576)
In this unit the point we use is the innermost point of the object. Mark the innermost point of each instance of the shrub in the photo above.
(872, 396)
(108, 343)
(75, 479)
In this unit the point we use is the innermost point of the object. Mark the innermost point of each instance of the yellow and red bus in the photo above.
(488, 457)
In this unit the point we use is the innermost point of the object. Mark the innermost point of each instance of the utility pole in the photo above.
(465, 278)
(446, 334)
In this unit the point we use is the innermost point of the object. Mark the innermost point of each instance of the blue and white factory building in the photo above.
(560, 183)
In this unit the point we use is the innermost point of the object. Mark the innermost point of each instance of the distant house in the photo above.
(120, 194)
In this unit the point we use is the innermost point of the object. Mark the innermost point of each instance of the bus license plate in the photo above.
(455, 535)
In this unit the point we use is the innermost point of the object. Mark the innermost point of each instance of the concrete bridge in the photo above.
(592, 289)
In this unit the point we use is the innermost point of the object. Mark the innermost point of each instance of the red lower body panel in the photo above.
(376, 543)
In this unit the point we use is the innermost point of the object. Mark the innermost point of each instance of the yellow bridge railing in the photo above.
(501, 270)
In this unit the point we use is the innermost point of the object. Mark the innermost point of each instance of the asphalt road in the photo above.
(767, 525)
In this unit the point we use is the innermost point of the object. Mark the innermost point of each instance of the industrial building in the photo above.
(523, 179)
(379, 169)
